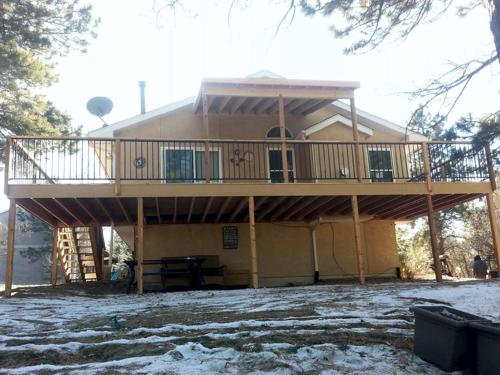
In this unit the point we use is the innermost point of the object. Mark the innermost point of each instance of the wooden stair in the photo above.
(79, 251)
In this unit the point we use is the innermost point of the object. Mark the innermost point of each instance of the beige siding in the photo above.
(284, 250)
(310, 161)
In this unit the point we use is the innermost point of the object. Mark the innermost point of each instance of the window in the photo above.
(276, 165)
(188, 165)
(275, 133)
(380, 162)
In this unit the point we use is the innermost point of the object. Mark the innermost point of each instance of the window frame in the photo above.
(268, 163)
(370, 169)
(279, 136)
(193, 150)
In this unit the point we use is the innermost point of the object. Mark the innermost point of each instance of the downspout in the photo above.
(313, 225)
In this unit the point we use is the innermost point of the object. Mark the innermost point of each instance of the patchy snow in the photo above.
(327, 329)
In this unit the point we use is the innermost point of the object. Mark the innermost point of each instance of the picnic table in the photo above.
(190, 268)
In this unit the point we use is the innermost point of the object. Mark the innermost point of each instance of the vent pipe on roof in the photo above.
(142, 85)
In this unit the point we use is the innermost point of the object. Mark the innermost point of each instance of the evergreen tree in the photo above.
(33, 34)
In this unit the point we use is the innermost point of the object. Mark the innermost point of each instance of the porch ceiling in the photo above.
(74, 212)
(260, 95)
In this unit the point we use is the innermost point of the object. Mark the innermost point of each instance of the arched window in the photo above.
(274, 132)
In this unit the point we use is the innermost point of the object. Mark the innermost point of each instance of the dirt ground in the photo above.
(327, 329)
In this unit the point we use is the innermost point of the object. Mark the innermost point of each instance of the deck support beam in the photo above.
(253, 245)
(111, 248)
(284, 158)
(494, 227)
(355, 138)
(434, 244)
(11, 233)
(315, 252)
(53, 259)
(140, 244)
(206, 129)
(360, 254)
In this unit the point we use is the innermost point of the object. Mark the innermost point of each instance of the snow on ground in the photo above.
(320, 329)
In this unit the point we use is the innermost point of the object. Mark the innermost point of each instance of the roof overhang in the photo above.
(261, 95)
(370, 120)
(108, 130)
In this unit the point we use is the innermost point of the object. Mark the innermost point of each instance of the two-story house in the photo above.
(277, 178)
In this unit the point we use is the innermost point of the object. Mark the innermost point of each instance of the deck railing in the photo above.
(97, 160)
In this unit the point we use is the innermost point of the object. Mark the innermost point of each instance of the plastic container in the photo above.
(487, 349)
(443, 337)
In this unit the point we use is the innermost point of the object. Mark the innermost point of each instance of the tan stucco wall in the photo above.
(284, 251)
(183, 124)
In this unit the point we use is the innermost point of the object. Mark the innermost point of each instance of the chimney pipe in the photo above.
(142, 85)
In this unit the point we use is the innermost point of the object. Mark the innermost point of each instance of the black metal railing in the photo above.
(96, 160)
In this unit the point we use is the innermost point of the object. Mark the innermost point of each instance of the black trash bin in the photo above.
(443, 337)
(487, 349)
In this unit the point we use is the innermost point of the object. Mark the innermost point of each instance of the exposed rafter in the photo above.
(207, 208)
(69, 212)
(52, 212)
(222, 208)
(238, 209)
(124, 211)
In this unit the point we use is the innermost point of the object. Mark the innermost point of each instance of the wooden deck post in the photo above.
(355, 137)
(253, 245)
(206, 128)
(427, 166)
(140, 244)
(315, 252)
(118, 166)
(11, 233)
(434, 244)
(54, 257)
(360, 254)
(492, 213)
(8, 145)
(491, 169)
(284, 157)
(111, 247)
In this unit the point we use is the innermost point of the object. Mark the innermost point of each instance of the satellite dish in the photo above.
(100, 106)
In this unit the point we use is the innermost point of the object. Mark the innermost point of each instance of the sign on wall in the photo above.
(230, 238)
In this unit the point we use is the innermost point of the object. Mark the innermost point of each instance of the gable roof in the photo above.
(369, 118)
(266, 77)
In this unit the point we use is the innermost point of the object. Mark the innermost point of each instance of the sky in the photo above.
(172, 52)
